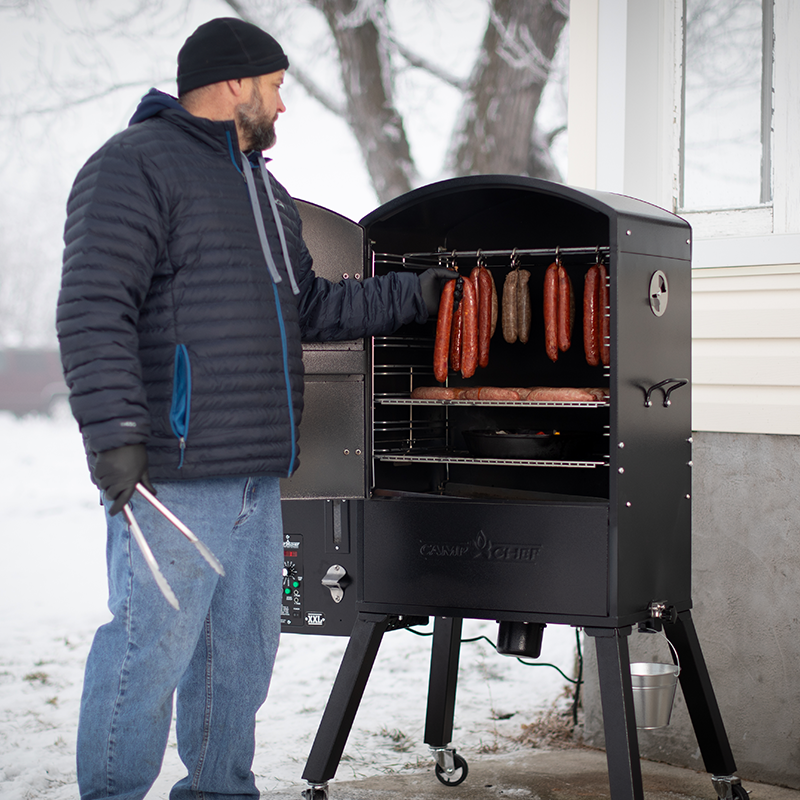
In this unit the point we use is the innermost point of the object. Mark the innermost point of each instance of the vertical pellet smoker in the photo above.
(407, 508)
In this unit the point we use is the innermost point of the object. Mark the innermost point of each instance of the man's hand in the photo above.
(431, 282)
(118, 471)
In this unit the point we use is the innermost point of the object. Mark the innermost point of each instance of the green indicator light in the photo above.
(288, 591)
(295, 584)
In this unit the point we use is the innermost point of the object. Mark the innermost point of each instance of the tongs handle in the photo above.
(159, 506)
(150, 559)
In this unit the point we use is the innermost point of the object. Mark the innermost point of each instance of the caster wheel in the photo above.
(316, 793)
(458, 775)
(739, 792)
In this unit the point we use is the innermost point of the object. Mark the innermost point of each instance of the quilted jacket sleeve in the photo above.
(114, 236)
(351, 309)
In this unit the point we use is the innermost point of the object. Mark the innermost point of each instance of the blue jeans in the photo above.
(217, 651)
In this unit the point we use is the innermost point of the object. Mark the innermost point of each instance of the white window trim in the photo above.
(624, 123)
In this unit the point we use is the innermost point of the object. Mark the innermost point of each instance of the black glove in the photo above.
(118, 471)
(431, 283)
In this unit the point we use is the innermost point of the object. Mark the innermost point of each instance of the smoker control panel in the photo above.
(320, 584)
(292, 601)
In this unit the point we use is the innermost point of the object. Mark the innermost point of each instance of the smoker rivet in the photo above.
(688, 241)
(628, 504)
(688, 497)
(621, 445)
(358, 452)
(689, 463)
(347, 452)
(627, 233)
(345, 275)
(357, 276)
(690, 439)
(621, 470)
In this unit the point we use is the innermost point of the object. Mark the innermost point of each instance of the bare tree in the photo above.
(496, 130)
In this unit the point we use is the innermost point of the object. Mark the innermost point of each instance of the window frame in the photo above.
(770, 230)
(625, 123)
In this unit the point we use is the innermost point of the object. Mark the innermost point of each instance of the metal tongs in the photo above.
(161, 581)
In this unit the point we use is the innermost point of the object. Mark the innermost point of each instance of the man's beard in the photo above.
(257, 128)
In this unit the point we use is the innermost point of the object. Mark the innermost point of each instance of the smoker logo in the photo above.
(482, 547)
(315, 619)
(288, 543)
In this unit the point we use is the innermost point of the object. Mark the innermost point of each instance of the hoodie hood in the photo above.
(152, 104)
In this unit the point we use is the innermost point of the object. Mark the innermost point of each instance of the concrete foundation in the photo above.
(746, 594)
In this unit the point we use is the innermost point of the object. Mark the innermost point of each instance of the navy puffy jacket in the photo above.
(172, 331)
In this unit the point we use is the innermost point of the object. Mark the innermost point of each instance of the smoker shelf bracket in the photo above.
(677, 383)
(335, 580)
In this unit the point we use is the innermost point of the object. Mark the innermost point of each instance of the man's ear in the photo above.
(235, 86)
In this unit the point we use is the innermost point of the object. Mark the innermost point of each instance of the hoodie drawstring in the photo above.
(276, 214)
(262, 234)
(256, 206)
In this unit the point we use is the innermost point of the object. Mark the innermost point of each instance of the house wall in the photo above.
(624, 136)
(746, 563)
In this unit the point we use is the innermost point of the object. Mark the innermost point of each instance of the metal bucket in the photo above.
(654, 687)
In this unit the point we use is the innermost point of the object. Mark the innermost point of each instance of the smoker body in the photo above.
(592, 539)
(394, 515)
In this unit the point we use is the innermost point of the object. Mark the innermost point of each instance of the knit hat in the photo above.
(225, 49)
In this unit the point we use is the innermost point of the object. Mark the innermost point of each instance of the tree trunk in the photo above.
(371, 114)
(495, 130)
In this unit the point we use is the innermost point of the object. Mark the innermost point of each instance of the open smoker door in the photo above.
(323, 501)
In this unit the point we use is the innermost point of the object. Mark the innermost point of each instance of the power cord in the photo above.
(577, 682)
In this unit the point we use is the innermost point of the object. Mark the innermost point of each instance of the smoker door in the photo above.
(333, 427)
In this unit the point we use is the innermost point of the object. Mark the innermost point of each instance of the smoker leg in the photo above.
(700, 699)
(450, 768)
(616, 695)
(348, 689)
(442, 681)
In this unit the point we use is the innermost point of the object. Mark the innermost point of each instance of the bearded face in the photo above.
(257, 125)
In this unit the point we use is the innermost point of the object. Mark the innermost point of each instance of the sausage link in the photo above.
(560, 394)
(436, 393)
(473, 276)
(605, 318)
(444, 322)
(490, 393)
(591, 310)
(566, 310)
(550, 311)
(484, 299)
(469, 345)
(523, 305)
(510, 307)
(456, 337)
(494, 305)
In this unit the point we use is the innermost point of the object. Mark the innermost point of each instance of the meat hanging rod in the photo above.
(550, 252)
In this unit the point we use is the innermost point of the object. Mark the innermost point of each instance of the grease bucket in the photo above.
(654, 687)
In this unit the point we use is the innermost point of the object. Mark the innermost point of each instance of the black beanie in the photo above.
(225, 49)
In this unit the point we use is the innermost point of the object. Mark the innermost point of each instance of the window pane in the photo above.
(722, 148)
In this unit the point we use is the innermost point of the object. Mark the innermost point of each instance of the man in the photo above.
(186, 291)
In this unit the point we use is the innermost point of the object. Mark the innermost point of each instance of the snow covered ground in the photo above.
(52, 597)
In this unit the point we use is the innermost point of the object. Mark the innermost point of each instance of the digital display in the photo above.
(290, 553)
